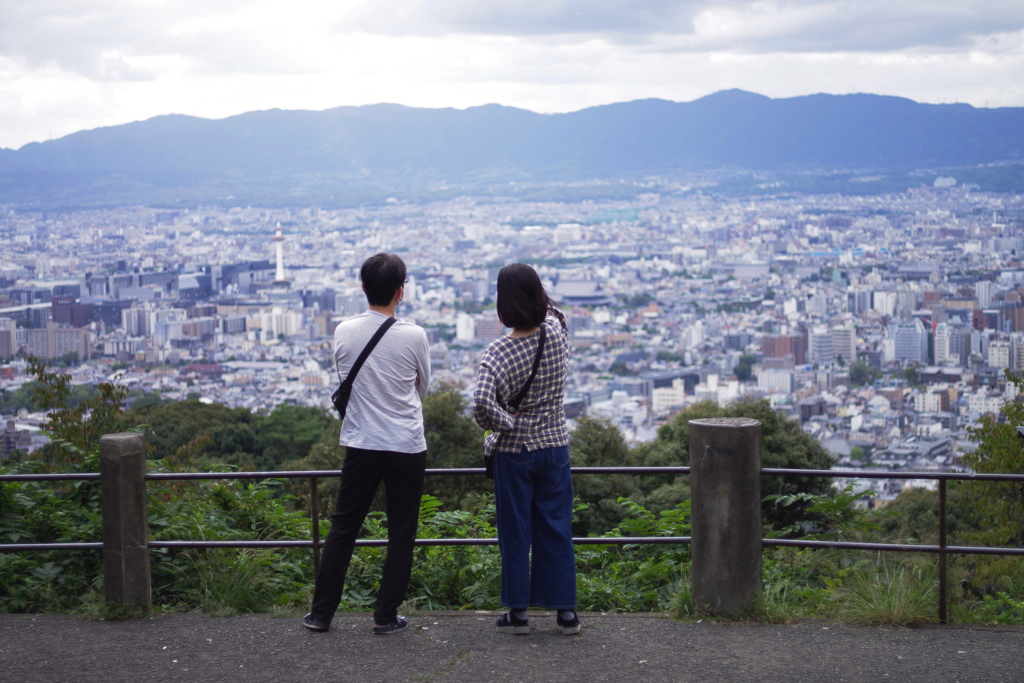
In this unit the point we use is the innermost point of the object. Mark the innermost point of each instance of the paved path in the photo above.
(463, 646)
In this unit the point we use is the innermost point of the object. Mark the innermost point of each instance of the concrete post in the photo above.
(125, 519)
(725, 483)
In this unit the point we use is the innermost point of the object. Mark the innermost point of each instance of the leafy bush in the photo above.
(798, 583)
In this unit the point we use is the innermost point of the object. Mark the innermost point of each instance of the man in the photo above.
(383, 436)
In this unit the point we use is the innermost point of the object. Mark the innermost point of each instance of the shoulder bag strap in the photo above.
(514, 403)
(351, 377)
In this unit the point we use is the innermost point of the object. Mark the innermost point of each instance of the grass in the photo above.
(95, 607)
(888, 594)
(228, 582)
(843, 586)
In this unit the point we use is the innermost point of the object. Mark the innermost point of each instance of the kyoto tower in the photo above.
(279, 279)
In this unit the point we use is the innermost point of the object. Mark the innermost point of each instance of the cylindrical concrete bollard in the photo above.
(725, 485)
(125, 519)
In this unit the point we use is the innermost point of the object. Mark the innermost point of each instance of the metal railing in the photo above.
(942, 549)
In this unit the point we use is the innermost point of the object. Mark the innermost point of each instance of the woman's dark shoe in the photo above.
(569, 627)
(509, 623)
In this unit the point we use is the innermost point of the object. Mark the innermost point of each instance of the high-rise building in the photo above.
(884, 302)
(985, 291)
(66, 310)
(844, 343)
(279, 321)
(54, 341)
(999, 353)
(819, 345)
(488, 327)
(942, 350)
(1017, 351)
(136, 322)
(910, 341)
(859, 300)
(8, 338)
(783, 345)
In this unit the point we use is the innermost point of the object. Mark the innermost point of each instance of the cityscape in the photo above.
(884, 324)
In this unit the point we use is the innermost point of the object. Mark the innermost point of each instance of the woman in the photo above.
(530, 447)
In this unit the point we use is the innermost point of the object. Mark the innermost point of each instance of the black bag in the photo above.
(513, 405)
(344, 391)
(340, 398)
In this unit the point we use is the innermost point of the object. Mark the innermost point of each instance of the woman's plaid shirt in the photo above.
(504, 369)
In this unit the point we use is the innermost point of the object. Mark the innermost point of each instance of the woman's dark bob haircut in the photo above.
(382, 275)
(522, 301)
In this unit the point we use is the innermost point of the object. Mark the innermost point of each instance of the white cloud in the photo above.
(107, 39)
(746, 25)
(67, 65)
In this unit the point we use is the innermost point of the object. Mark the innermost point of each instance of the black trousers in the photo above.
(361, 475)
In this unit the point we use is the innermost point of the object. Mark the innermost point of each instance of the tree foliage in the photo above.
(75, 428)
(861, 373)
(454, 440)
(744, 368)
(996, 508)
(50, 512)
(783, 445)
(287, 433)
(233, 436)
(325, 454)
(597, 442)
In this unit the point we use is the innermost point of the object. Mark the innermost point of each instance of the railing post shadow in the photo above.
(123, 502)
(725, 483)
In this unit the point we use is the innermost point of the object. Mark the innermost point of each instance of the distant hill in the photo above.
(351, 154)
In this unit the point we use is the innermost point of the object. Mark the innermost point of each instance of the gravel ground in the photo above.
(463, 646)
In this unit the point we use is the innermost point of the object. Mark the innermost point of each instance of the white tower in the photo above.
(279, 279)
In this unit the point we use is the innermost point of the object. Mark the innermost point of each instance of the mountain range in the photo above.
(354, 154)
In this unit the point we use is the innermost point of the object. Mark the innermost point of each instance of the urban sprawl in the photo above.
(884, 324)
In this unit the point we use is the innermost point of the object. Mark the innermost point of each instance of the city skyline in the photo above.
(65, 68)
(884, 324)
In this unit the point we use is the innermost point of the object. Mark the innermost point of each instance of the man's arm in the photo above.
(422, 352)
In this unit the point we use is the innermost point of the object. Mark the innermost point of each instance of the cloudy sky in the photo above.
(68, 65)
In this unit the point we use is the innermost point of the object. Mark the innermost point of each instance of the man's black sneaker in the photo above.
(569, 626)
(509, 623)
(314, 624)
(397, 624)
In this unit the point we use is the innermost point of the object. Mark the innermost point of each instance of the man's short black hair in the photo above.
(382, 275)
(522, 301)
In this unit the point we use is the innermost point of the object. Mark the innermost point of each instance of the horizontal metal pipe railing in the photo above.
(877, 474)
(40, 547)
(465, 471)
(891, 547)
(456, 471)
(469, 471)
(69, 476)
(578, 540)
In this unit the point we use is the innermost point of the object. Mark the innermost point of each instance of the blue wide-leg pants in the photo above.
(533, 500)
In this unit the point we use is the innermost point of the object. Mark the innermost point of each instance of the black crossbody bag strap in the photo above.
(365, 353)
(514, 403)
(340, 396)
